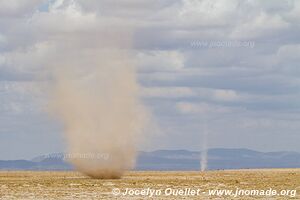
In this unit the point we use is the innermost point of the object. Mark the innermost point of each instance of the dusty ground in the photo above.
(73, 185)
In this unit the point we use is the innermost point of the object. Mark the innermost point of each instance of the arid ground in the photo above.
(73, 185)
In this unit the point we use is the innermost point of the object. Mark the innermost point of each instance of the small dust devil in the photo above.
(203, 159)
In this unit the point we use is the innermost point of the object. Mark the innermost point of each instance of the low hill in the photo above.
(175, 160)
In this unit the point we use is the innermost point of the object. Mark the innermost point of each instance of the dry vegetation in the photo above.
(73, 185)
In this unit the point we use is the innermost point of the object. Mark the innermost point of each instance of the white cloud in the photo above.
(294, 14)
(160, 60)
(207, 12)
(18, 8)
(201, 108)
(63, 19)
(167, 92)
(225, 95)
(261, 25)
(289, 52)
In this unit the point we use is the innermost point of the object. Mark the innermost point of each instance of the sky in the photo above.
(226, 67)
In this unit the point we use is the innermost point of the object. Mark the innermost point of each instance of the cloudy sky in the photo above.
(226, 67)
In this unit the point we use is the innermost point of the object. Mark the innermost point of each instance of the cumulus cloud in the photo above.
(226, 95)
(18, 8)
(167, 92)
(160, 60)
(262, 25)
(201, 108)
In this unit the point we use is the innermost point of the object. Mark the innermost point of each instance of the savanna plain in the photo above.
(74, 185)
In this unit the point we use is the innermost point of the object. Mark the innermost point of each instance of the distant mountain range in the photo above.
(175, 160)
